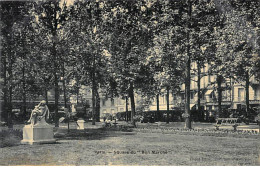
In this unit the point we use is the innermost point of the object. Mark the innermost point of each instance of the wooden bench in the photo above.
(227, 122)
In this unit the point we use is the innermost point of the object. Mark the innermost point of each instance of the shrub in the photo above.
(10, 138)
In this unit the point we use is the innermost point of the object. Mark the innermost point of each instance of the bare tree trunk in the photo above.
(65, 94)
(126, 109)
(247, 94)
(46, 95)
(56, 99)
(64, 86)
(10, 107)
(132, 98)
(10, 114)
(77, 95)
(168, 104)
(158, 107)
(93, 99)
(24, 91)
(187, 78)
(231, 91)
(24, 78)
(56, 87)
(56, 84)
(97, 107)
(219, 89)
(4, 108)
(10, 89)
(94, 89)
(56, 68)
(199, 94)
(187, 96)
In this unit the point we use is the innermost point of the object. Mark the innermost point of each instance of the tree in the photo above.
(51, 16)
(88, 29)
(11, 12)
(203, 22)
(131, 37)
(191, 24)
(162, 54)
(219, 66)
(236, 50)
(244, 41)
(169, 74)
(24, 41)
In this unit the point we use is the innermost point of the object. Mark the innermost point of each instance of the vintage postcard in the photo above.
(130, 83)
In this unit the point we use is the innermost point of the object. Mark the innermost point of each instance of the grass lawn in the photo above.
(104, 147)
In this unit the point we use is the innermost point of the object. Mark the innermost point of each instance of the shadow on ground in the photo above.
(90, 134)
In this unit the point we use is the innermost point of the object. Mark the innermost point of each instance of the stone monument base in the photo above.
(38, 134)
(80, 124)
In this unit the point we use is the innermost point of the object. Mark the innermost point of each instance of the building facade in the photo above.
(233, 92)
(233, 95)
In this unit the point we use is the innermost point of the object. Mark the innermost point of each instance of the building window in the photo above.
(119, 101)
(191, 95)
(112, 111)
(209, 107)
(174, 96)
(112, 102)
(205, 82)
(256, 94)
(88, 102)
(182, 96)
(240, 94)
(163, 99)
(103, 102)
(211, 95)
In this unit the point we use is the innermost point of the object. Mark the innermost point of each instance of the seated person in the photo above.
(39, 114)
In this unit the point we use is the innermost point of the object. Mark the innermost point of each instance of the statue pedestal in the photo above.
(80, 124)
(38, 134)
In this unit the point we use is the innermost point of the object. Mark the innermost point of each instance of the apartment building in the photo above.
(114, 105)
(233, 94)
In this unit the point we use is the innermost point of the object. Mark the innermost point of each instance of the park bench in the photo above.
(227, 122)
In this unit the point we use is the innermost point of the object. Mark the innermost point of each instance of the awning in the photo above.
(191, 105)
(208, 92)
(195, 96)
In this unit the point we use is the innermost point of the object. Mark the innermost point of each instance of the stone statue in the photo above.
(39, 114)
(38, 131)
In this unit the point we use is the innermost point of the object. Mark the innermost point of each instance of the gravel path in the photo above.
(101, 147)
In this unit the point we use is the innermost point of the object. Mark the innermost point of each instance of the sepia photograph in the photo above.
(130, 83)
